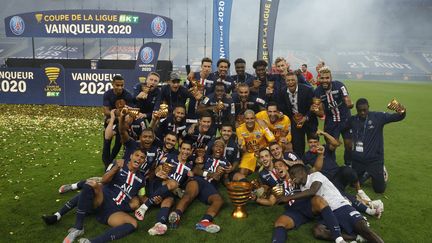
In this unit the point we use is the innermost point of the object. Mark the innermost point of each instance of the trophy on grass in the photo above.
(394, 105)
(239, 193)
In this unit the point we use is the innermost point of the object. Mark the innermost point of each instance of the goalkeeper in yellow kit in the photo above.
(279, 124)
(252, 136)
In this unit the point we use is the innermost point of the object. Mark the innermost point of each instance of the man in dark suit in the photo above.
(295, 101)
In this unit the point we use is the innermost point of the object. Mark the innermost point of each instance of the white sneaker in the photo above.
(363, 196)
(386, 175)
(140, 212)
(158, 229)
(378, 205)
(73, 234)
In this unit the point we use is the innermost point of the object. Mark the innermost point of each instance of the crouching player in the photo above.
(350, 220)
(111, 200)
(204, 187)
(181, 170)
(297, 212)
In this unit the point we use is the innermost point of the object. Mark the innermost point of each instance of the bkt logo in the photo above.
(17, 25)
(158, 26)
(147, 55)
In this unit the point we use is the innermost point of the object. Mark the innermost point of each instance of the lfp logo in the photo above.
(17, 25)
(158, 26)
(147, 55)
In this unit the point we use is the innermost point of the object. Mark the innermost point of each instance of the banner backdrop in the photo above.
(221, 27)
(266, 29)
(88, 23)
(53, 84)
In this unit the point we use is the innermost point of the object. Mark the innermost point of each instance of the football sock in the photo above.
(331, 222)
(69, 205)
(207, 217)
(179, 212)
(85, 202)
(58, 215)
(279, 235)
(114, 233)
(162, 215)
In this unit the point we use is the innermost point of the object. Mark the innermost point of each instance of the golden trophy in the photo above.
(394, 105)
(163, 110)
(167, 167)
(297, 118)
(239, 193)
(316, 102)
(278, 191)
(133, 111)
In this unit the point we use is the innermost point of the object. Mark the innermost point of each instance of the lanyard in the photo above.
(364, 129)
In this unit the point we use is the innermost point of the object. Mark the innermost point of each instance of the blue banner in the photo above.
(52, 84)
(88, 24)
(266, 29)
(221, 26)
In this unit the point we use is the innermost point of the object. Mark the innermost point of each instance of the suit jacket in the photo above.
(304, 102)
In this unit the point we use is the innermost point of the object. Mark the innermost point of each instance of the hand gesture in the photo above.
(120, 163)
(320, 149)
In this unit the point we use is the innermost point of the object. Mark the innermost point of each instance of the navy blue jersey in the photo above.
(146, 106)
(369, 132)
(269, 177)
(200, 140)
(172, 99)
(136, 128)
(211, 164)
(333, 101)
(132, 145)
(224, 115)
(329, 168)
(206, 82)
(254, 103)
(180, 171)
(169, 125)
(109, 98)
(162, 155)
(228, 82)
(124, 186)
(238, 79)
(276, 78)
(232, 151)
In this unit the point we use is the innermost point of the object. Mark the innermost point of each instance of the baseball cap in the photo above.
(175, 76)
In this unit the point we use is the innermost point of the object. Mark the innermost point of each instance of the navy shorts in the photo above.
(335, 129)
(108, 207)
(300, 212)
(153, 185)
(347, 217)
(206, 189)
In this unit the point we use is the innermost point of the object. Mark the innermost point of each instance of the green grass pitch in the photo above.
(43, 147)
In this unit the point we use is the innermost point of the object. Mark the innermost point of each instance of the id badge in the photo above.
(359, 147)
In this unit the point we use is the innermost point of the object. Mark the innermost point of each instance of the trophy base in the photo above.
(239, 213)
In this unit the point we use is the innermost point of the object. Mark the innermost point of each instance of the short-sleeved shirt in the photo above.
(333, 101)
(327, 190)
(180, 171)
(231, 153)
(211, 164)
(280, 127)
(256, 139)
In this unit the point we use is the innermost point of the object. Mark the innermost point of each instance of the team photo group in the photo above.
(273, 133)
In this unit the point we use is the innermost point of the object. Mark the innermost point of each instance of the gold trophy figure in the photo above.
(239, 193)
(278, 191)
(163, 110)
(167, 167)
(394, 105)
(297, 118)
(316, 102)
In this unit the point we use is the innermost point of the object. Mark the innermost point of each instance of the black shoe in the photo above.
(49, 219)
